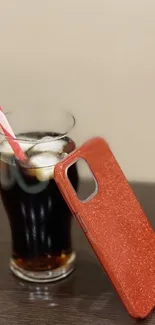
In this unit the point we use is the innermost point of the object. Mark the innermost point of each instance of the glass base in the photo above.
(45, 276)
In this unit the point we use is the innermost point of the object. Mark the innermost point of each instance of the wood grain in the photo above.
(86, 297)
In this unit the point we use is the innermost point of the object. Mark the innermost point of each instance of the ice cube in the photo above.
(44, 164)
(50, 145)
(45, 159)
(44, 174)
(25, 145)
(6, 149)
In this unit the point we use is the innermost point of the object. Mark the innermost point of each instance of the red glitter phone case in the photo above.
(115, 226)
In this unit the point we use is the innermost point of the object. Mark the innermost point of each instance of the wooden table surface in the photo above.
(86, 297)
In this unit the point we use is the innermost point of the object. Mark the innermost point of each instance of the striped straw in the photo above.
(10, 137)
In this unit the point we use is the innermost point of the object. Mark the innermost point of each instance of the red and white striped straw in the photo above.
(10, 137)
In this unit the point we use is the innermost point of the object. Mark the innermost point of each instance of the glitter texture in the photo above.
(115, 225)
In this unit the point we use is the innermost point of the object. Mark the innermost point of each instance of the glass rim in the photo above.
(57, 137)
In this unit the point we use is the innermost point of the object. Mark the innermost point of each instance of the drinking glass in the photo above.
(40, 220)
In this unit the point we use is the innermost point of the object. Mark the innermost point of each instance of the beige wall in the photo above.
(94, 57)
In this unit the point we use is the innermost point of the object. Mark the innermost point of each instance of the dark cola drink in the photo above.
(39, 218)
